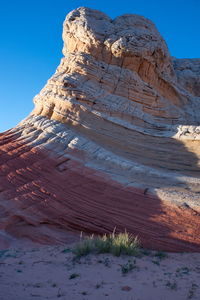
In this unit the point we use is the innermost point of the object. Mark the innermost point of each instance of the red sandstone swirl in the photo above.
(113, 141)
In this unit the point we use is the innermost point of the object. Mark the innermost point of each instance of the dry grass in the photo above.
(116, 244)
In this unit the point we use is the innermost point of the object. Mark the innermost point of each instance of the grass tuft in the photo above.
(116, 244)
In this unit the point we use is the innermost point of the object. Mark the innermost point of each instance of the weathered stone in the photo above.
(113, 140)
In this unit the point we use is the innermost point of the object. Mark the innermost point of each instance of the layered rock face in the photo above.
(113, 141)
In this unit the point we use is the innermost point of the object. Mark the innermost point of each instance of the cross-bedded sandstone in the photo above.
(113, 140)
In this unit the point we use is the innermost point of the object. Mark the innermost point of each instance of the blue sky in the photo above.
(31, 42)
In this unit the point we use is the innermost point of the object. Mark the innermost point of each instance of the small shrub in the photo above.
(116, 244)
(161, 255)
(146, 252)
(126, 268)
(73, 275)
(67, 250)
(59, 294)
(99, 285)
(18, 271)
(37, 285)
(182, 271)
(3, 252)
(106, 261)
(84, 293)
(192, 291)
(156, 262)
(171, 285)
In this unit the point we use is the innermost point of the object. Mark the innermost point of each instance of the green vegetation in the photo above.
(146, 252)
(73, 275)
(171, 285)
(84, 293)
(156, 262)
(182, 271)
(192, 291)
(116, 244)
(19, 271)
(67, 250)
(3, 252)
(129, 266)
(106, 261)
(161, 255)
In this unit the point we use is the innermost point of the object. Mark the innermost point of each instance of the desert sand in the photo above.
(51, 272)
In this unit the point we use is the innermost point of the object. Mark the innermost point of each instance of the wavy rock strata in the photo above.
(114, 140)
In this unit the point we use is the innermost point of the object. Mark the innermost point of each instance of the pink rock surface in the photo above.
(40, 200)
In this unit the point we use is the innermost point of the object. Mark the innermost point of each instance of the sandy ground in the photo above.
(50, 272)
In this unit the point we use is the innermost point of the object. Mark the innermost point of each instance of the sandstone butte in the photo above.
(113, 141)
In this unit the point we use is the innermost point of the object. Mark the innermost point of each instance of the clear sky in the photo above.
(31, 42)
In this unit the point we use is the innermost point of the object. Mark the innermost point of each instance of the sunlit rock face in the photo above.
(113, 141)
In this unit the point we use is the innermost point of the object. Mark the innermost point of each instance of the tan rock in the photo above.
(113, 140)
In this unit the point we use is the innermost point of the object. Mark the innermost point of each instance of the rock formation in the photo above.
(113, 140)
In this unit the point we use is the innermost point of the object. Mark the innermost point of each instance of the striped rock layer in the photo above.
(113, 141)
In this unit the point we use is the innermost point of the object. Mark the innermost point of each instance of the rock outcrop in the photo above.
(113, 140)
